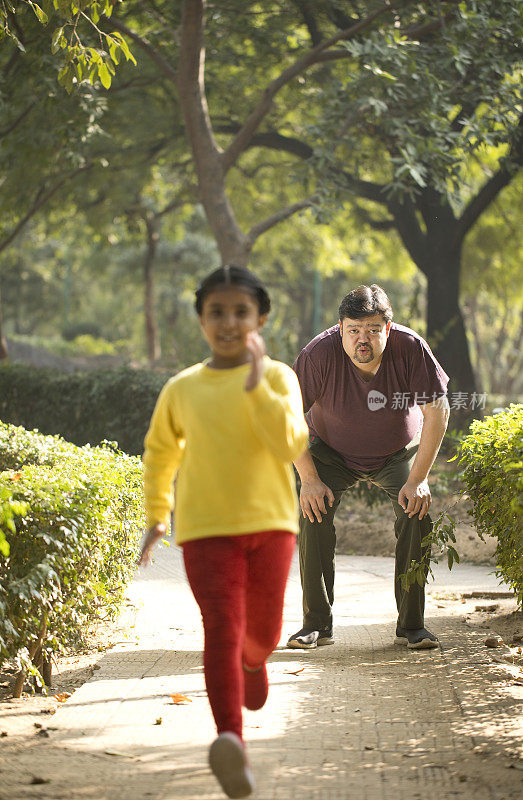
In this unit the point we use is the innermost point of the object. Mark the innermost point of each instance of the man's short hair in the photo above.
(365, 301)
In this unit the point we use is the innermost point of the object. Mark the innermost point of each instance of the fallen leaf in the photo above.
(118, 753)
(36, 780)
(295, 673)
(62, 697)
(179, 699)
(158, 721)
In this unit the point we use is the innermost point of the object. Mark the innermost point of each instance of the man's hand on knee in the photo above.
(313, 494)
(415, 498)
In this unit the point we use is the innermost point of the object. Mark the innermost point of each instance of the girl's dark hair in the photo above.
(229, 275)
(365, 301)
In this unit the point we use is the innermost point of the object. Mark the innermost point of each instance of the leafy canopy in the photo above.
(87, 51)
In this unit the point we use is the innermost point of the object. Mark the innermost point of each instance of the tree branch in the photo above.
(304, 7)
(486, 195)
(314, 56)
(365, 189)
(178, 202)
(410, 232)
(12, 126)
(272, 140)
(279, 216)
(41, 198)
(490, 190)
(339, 18)
(420, 32)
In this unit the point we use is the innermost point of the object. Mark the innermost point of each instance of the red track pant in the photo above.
(239, 584)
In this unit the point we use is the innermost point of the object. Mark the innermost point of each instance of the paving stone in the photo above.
(360, 719)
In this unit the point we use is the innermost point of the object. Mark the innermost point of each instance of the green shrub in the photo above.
(71, 519)
(491, 456)
(82, 344)
(82, 328)
(20, 447)
(83, 407)
(95, 346)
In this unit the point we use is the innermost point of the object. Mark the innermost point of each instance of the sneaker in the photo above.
(307, 639)
(228, 762)
(415, 639)
(256, 687)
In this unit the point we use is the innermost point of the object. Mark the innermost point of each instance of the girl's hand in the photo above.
(151, 537)
(256, 348)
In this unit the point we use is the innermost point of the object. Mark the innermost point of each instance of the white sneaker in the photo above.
(228, 762)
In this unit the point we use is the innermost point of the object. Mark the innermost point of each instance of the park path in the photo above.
(360, 719)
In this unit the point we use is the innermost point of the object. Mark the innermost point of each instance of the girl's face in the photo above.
(229, 313)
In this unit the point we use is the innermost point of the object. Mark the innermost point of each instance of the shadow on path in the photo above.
(360, 719)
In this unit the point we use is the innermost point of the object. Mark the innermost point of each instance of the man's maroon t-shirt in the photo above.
(367, 421)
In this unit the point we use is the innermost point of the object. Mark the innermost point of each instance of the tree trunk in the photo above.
(233, 244)
(437, 254)
(33, 649)
(151, 329)
(445, 326)
(3, 343)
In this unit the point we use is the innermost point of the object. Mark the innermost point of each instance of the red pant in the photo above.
(239, 584)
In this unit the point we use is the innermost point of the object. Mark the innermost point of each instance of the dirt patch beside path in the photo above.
(27, 718)
(369, 531)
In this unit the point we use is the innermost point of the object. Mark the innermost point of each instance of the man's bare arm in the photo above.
(414, 497)
(313, 491)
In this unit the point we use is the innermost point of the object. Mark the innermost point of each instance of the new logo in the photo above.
(376, 400)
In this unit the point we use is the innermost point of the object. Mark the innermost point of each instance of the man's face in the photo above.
(364, 339)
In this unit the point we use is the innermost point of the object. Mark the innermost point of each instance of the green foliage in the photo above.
(71, 518)
(74, 21)
(491, 456)
(491, 473)
(439, 542)
(9, 508)
(83, 407)
(493, 294)
(430, 106)
(83, 345)
(94, 234)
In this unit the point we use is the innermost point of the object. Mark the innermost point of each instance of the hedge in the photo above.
(70, 521)
(83, 407)
(491, 457)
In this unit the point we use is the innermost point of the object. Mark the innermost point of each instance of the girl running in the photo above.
(229, 428)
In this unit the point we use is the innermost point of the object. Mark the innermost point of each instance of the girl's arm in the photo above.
(164, 446)
(276, 407)
(152, 536)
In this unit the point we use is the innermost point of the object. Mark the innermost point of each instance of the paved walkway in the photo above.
(361, 719)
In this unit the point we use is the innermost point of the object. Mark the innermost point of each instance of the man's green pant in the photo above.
(317, 540)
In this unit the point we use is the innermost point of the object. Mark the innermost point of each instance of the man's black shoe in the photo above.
(418, 639)
(307, 639)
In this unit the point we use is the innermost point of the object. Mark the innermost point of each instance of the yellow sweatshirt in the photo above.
(231, 449)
